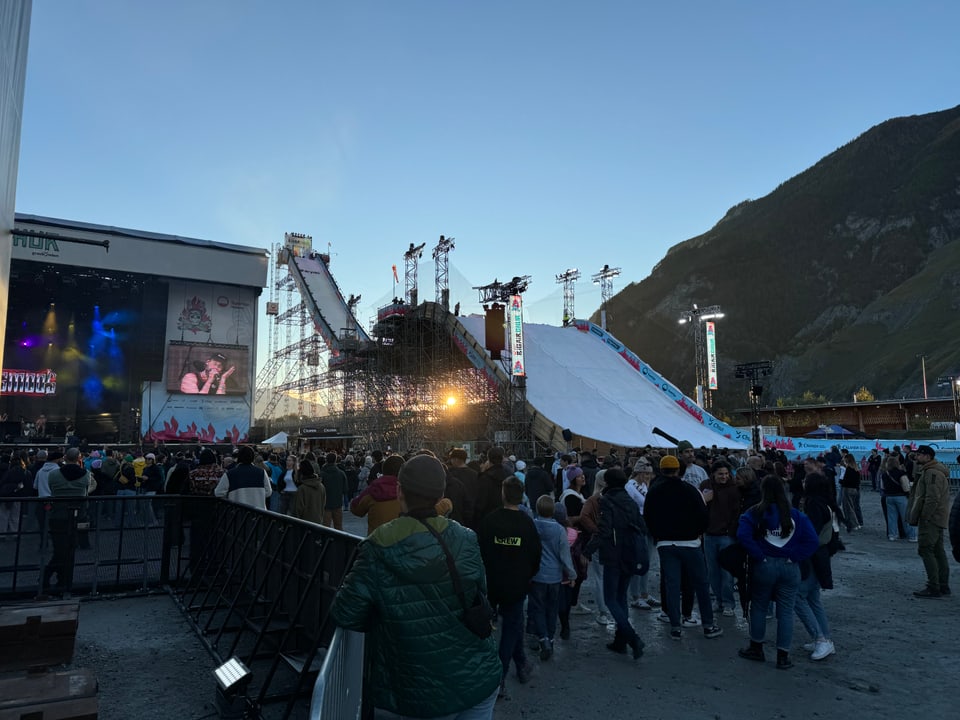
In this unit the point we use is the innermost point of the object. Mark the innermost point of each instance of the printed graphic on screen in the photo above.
(207, 369)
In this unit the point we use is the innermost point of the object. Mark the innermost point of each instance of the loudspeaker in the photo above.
(567, 435)
(493, 331)
(147, 361)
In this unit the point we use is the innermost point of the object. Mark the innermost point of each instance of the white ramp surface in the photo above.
(581, 384)
(327, 300)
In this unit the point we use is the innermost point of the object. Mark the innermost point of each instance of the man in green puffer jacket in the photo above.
(425, 662)
(929, 510)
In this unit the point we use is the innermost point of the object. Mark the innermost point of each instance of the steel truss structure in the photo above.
(410, 386)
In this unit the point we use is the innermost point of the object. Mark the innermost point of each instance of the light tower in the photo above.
(410, 260)
(699, 315)
(604, 279)
(567, 279)
(441, 260)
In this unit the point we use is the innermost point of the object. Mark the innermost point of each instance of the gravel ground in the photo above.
(896, 655)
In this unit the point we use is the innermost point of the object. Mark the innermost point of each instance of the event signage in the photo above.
(28, 382)
(711, 355)
(516, 336)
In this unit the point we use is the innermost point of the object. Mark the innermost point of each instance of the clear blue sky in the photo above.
(541, 135)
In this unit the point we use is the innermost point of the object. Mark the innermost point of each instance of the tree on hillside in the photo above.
(863, 395)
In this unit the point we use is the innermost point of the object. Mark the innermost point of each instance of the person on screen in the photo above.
(211, 375)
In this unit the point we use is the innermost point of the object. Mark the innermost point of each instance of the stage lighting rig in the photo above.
(501, 292)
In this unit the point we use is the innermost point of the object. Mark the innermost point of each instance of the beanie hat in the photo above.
(521, 465)
(423, 475)
(669, 461)
(683, 445)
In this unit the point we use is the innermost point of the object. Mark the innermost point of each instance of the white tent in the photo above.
(279, 439)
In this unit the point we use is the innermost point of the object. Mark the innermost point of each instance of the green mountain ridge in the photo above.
(841, 276)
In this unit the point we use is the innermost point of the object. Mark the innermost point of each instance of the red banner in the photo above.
(39, 383)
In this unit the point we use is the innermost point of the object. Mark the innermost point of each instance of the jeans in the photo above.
(511, 636)
(615, 585)
(721, 582)
(774, 579)
(595, 583)
(930, 550)
(483, 710)
(897, 508)
(674, 562)
(810, 608)
(542, 607)
(853, 515)
(128, 508)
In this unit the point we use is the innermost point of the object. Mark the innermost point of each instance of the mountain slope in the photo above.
(841, 276)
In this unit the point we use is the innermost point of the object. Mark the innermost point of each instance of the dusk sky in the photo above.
(541, 135)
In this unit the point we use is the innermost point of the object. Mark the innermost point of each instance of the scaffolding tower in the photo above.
(568, 278)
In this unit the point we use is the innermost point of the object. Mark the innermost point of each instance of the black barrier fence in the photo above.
(255, 585)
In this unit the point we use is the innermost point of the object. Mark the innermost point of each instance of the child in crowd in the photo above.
(556, 568)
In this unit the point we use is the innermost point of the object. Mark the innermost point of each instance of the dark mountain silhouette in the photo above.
(842, 276)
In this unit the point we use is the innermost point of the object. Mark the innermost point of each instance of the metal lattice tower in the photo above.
(410, 260)
(567, 279)
(604, 279)
(441, 257)
(697, 316)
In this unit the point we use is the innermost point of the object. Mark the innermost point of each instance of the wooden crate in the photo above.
(66, 695)
(37, 635)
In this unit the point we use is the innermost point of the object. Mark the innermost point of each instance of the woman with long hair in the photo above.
(896, 489)
(850, 491)
(820, 505)
(777, 538)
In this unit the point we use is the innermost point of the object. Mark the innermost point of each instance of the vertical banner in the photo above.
(516, 336)
(711, 355)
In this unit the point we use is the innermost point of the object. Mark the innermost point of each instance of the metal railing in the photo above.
(253, 584)
(338, 691)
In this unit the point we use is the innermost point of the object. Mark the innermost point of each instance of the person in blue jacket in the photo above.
(777, 537)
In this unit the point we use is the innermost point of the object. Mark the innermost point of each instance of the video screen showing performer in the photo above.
(195, 369)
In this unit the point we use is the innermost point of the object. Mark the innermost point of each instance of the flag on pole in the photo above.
(395, 278)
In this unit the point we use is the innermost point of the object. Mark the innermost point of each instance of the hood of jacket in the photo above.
(382, 489)
(311, 482)
(936, 465)
(72, 472)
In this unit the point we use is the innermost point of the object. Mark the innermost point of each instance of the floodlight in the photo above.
(232, 677)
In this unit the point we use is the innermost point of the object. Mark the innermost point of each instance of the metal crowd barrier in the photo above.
(338, 691)
(261, 591)
(255, 585)
(121, 545)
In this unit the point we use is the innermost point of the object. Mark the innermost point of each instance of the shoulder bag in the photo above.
(477, 617)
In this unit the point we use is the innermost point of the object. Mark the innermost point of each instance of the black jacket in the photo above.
(619, 518)
(674, 510)
(511, 548)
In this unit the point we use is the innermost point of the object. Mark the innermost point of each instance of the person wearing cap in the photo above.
(676, 516)
(637, 488)
(929, 511)
(692, 472)
(424, 663)
(202, 382)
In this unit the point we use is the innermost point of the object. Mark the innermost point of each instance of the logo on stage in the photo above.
(193, 318)
(29, 383)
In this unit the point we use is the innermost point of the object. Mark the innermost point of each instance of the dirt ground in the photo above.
(896, 656)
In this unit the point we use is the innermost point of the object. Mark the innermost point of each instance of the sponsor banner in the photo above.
(30, 383)
(515, 317)
(711, 355)
(799, 448)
